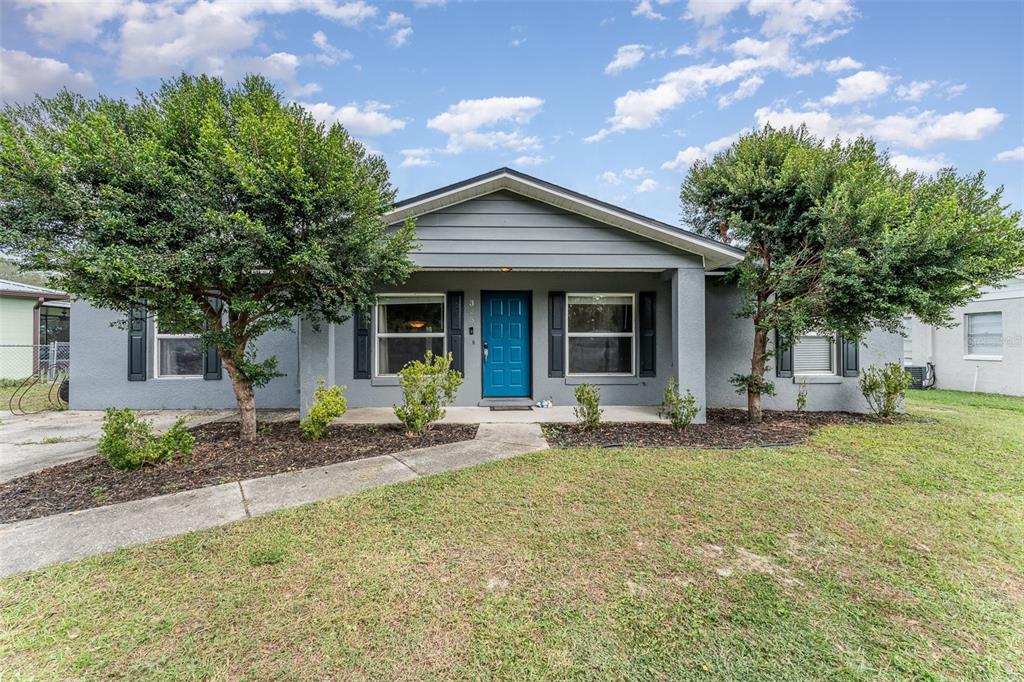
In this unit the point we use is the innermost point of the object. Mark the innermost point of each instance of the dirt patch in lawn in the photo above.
(724, 429)
(218, 457)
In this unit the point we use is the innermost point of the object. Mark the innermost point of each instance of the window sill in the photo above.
(610, 380)
(384, 381)
(817, 379)
(181, 378)
(984, 358)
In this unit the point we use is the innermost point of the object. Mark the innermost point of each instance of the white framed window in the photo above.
(406, 327)
(600, 334)
(177, 356)
(984, 333)
(908, 340)
(814, 354)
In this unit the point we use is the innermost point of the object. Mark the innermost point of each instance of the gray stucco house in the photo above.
(984, 349)
(533, 288)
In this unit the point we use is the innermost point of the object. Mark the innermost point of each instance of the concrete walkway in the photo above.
(32, 544)
(33, 442)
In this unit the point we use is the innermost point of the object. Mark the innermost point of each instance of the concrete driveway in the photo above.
(38, 441)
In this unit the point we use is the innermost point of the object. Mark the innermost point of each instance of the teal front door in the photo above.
(506, 344)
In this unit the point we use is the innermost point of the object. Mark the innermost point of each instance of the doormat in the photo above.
(511, 408)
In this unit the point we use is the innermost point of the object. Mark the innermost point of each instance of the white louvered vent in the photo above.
(813, 355)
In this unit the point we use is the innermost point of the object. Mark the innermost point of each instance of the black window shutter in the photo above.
(211, 359)
(362, 345)
(849, 357)
(783, 360)
(647, 334)
(137, 344)
(556, 334)
(455, 338)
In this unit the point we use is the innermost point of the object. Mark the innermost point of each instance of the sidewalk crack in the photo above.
(405, 464)
(245, 502)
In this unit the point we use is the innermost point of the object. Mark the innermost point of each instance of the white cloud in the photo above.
(647, 185)
(915, 90)
(863, 85)
(800, 17)
(65, 21)
(842, 64)
(746, 89)
(22, 76)
(626, 57)
(634, 173)
(686, 157)
(529, 161)
(611, 178)
(956, 90)
(1015, 154)
(925, 165)
(466, 121)
(417, 157)
(710, 11)
(907, 130)
(396, 19)
(370, 118)
(517, 42)
(429, 3)
(645, 8)
(400, 37)
(683, 51)
(329, 54)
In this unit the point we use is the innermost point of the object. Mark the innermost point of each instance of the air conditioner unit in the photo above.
(920, 376)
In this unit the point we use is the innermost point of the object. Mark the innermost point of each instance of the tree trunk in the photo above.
(757, 360)
(246, 397)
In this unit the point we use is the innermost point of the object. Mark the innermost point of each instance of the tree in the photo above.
(226, 212)
(839, 241)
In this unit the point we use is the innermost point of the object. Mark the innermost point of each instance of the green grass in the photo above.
(872, 552)
(34, 400)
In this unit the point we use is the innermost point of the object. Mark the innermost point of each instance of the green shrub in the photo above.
(801, 397)
(428, 387)
(680, 409)
(884, 388)
(328, 405)
(588, 406)
(127, 442)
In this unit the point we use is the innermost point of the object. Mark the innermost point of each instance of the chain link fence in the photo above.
(34, 377)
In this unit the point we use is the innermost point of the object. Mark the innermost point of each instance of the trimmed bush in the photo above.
(885, 388)
(428, 387)
(127, 442)
(328, 405)
(679, 408)
(588, 406)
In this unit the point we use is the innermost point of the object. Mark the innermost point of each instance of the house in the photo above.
(533, 288)
(30, 317)
(983, 351)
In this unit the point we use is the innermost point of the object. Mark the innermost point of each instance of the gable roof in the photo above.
(714, 253)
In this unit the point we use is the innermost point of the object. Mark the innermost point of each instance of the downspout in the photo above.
(36, 341)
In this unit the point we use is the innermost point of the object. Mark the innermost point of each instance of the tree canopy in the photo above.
(839, 241)
(224, 211)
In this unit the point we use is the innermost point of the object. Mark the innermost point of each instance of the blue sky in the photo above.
(614, 99)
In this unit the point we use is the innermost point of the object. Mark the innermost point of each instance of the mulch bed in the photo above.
(218, 457)
(724, 429)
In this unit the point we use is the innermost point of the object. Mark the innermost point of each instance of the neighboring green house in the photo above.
(30, 317)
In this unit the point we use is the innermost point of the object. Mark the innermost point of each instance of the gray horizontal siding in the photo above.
(504, 229)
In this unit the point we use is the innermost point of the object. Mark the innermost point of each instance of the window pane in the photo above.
(396, 351)
(411, 315)
(813, 355)
(180, 357)
(908, 341)
(985, 334)
(601, 314)
(601, 355)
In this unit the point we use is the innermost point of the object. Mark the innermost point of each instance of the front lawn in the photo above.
(892, 551)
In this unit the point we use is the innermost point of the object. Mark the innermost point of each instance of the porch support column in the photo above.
(688, 334)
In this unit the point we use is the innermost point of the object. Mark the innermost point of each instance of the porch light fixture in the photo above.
(505, 268)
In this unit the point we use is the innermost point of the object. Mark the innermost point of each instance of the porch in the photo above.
(485, 415)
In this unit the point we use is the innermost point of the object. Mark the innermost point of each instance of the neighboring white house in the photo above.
(983, 352)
